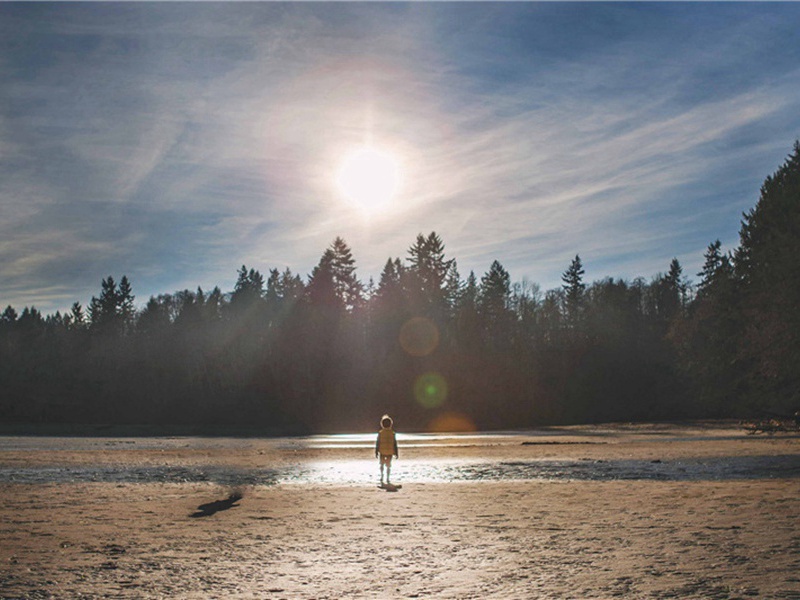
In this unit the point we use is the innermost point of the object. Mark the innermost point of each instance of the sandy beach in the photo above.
(701, 511)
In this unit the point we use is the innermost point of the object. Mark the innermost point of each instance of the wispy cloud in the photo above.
(176, 142)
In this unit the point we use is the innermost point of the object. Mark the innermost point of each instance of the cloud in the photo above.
(173, 143)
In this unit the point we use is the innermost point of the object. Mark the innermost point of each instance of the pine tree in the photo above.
(214, 305)
(248, 291)
(390, 290)
(468, 322)
(429, 270)
(453, 287)
(342, 264)
(9, 315)
(77, 318)
(493, 306)
(104, 311)
(768, 269)
(125, 305)
(770, 232)
(154, 318)
(706, 340)
(322, 290)
(666, 296)
(717, 269)
(574, 289)
(495, 292)
(469, 295)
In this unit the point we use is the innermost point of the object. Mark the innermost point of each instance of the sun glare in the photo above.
(369, 177)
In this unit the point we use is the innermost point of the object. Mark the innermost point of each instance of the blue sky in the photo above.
(175, 142)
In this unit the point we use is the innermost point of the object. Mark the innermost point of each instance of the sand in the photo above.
(647, 527)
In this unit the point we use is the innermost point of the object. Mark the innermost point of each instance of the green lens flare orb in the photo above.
(430, 390)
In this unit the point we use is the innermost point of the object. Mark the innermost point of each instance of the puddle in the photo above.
(292, 465)
(138, 474)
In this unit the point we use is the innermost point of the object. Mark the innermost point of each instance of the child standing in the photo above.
(386, 446)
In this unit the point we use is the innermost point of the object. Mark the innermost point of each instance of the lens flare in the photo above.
(430, 390)
(451, 422)
(419, 336)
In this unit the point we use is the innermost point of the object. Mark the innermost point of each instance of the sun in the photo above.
(369, 177)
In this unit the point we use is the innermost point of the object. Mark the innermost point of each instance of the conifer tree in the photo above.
(717, 269)
(322, 287)
(495, 292)
(493, 306)
(468, 324)
(248, 291)
(78, 319)
(429, 269)
(342, 265)
(9, 315)
(767, 266)
(104, 311)
(125, 306)
(574, 290)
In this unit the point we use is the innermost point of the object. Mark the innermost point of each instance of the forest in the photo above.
(281, 353)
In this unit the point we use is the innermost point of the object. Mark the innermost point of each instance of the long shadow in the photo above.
(210, 508)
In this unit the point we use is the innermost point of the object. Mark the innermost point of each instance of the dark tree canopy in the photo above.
(286, 354)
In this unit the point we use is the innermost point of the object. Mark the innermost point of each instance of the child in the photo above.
(386, 446)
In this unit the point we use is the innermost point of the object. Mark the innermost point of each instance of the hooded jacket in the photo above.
(386, 444)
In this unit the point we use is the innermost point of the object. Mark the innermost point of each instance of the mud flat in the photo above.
(692, 511)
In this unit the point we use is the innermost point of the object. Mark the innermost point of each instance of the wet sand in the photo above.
(676, 515)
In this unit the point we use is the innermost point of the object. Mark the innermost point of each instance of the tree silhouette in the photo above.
(573, 289)
(767, 268)
(294, 355)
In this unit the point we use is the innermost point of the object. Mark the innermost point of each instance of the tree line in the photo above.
(286, 354)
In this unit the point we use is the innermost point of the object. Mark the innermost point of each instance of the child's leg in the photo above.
(386, 460)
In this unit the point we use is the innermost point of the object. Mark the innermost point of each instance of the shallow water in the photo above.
(361, 471)
(352, 472)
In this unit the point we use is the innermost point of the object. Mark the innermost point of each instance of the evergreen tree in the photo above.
(495, 293)
(453, 287)
(105, 311)
(429, 270)
(469, 295)
(342, 266)
(706, 342)
(154, 318)
(677, 282)
(493, 306)
(30, 319)
(574, 289)
(468, 323)
(214, 305)
(249, 289)
(717, 269)
(322, 289)
(9, 315)
(666, 296)
(125, 306)
(390, 283)
(768, 269)
(78, 319)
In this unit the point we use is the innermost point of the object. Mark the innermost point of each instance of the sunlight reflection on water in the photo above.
(411, 440)
(293, 468)
(359, 472)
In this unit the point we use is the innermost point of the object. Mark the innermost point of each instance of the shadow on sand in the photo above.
(210, 508)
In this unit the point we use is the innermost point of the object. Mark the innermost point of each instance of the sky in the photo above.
(175, 142)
